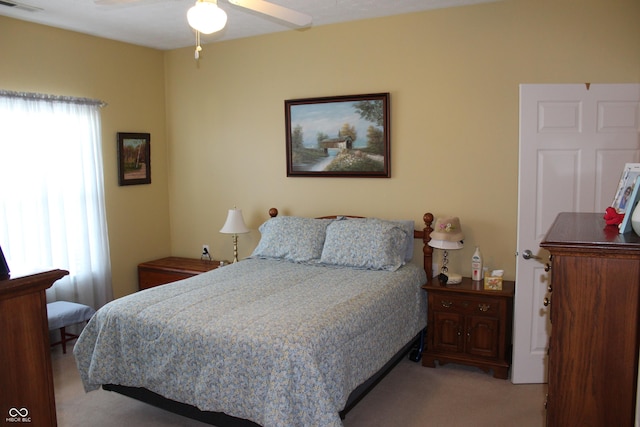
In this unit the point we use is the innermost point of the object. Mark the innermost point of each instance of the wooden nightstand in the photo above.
(167, 270)
(470, 326)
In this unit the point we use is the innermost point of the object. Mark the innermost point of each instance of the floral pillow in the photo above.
(292, 238)
(408, 226)
(368, 243)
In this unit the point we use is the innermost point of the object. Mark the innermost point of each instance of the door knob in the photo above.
(527, 254)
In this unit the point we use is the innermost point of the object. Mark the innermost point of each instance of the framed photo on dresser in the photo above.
(626, 196)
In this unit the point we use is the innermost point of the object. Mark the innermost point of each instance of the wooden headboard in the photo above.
(424, 235)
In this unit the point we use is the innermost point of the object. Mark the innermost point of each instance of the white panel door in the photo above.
(574, 142)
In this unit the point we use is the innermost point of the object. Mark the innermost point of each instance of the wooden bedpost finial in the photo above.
(273, 212)
(427, 250)
(428, 219)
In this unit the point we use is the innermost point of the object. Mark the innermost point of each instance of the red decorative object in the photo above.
(612, 217)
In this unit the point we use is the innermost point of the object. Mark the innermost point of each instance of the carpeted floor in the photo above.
(409, 396)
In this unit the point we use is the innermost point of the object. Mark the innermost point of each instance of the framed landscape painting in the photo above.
(134, 158)
(342, 136)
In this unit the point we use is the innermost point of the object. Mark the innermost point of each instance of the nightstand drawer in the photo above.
(150, 278)
(476, 305)
(171, 269)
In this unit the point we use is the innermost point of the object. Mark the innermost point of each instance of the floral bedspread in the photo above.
(278, 343)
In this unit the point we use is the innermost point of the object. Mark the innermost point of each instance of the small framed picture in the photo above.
(627, 193)
(134, 158)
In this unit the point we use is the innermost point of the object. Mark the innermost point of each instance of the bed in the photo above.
(291, 336)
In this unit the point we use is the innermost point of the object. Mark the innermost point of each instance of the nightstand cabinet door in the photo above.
(483, 336)
(447, 331)
(454, 331)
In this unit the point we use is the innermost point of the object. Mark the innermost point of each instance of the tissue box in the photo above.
(493, 283)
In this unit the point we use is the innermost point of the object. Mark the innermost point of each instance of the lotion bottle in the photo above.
(476, 265)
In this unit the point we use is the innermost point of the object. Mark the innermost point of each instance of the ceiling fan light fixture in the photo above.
(206, 17)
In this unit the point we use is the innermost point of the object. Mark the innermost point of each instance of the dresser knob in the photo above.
(484, 307)
(546, 302)
(549, 288)
(446, 304)
(547, 267)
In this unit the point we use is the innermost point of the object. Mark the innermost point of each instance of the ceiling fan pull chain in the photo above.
(198, 47)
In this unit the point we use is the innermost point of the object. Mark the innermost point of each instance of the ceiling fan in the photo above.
(281, 13)
(206, 17)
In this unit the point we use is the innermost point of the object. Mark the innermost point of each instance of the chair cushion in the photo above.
(64, 313)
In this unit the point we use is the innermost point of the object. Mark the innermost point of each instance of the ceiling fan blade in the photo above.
(111, 2)
(279, 12)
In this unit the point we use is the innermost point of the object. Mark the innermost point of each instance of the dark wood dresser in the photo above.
(171, 269)
(26, 381)
(595, 300)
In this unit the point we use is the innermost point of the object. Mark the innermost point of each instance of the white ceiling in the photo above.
(162, 24)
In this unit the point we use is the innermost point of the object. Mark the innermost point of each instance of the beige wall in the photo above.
(35, 58)
(453, 76)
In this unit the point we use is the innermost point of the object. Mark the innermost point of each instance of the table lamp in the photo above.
(447, 235)
(234, 225)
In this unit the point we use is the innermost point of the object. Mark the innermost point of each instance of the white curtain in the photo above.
(52, 210)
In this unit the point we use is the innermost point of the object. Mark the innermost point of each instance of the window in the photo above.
(52, 209)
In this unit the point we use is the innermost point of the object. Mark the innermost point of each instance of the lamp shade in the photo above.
(448, 229)
(234, 223)
(445, 244)
(206, 17)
